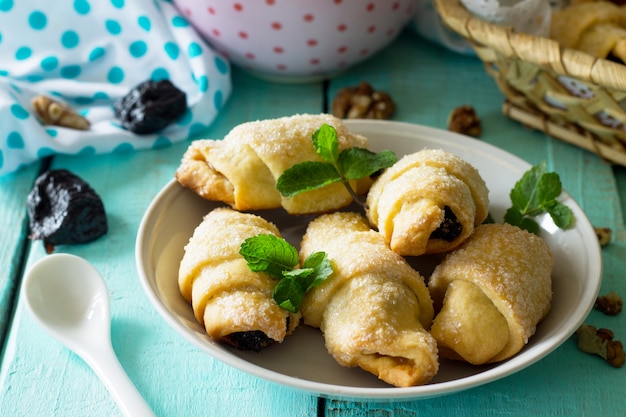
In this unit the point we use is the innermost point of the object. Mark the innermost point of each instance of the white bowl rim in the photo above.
(502, 370)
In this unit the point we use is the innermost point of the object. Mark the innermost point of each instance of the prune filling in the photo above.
(64, 209)
(254, 340)
(251, 340)
(449, 229)
(150, 106)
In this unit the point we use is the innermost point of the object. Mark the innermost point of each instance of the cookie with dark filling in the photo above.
(233, 303)
(428, 202)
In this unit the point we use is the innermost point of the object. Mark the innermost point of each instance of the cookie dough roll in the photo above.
(492, 292)
(234, 304)
(373, 309)
(241, 170)
(427, 202)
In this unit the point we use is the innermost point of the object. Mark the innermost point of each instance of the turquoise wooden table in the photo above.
(39, 377)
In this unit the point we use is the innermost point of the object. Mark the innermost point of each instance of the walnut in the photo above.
(464, 120)
(362, 102)
(52, 112)
(604, 235)
(610, 304)
(600, 342)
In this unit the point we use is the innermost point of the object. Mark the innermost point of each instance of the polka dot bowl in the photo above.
(298, 40)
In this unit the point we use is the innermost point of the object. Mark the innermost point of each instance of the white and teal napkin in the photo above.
(88, 54)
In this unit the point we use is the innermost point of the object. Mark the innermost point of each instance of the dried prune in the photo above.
(63, 209)
(150, 106)
(254, 340)
(450, 228)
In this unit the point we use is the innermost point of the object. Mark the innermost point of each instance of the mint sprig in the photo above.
(275, 256)
(536, 193)
(349, 164)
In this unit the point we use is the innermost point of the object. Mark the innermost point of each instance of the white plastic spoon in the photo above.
(68, 298)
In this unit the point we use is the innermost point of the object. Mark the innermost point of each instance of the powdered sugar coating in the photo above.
(407, 202)
(373, 309)
(512, 268)
(205, 249)
(226, 296)
(242, 169)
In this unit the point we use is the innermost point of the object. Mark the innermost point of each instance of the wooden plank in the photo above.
(620, 179)
(39, 377)
(428, 82)
(176, 378)
(14, 189)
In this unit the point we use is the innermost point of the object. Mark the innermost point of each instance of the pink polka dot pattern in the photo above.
(298, 38)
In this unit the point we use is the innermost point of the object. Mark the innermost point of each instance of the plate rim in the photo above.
(171, 189)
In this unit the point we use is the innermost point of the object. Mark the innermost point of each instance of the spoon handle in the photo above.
(105, 364)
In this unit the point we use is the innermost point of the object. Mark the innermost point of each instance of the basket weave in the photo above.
(529, 70)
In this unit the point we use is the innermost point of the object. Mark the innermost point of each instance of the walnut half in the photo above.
(53, 112)
(464, 120)
(362, 102)
(610, 304)
(600, 342)
(604, 235)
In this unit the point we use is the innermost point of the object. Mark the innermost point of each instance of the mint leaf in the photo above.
(524, 193)
(306, 176)
(269, 253)
(515, 217)
(548, 188)
(326, 143)
(359, 163)
(288, 294)
(350, 164)
(561, 215)
(276, 257)
(530, 225)
(320, 264)
(536, 193)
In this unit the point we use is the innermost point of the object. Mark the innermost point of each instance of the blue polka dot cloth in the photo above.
(88, 54)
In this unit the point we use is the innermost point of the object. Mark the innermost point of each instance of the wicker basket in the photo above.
(567, 94)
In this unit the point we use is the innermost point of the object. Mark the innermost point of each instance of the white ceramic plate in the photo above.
(301, 361)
